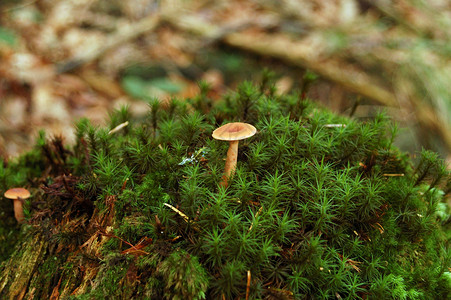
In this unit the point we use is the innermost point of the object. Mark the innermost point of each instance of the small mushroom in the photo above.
(233, 133)
(18, 195)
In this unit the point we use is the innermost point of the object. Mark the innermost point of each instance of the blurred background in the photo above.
(61, 60)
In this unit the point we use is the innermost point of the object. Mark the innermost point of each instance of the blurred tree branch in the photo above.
(121, 36)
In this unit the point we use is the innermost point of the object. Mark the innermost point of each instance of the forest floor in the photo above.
(63, 60)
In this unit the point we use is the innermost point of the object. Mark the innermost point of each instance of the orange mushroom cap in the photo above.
(234, 132)
(16, 193)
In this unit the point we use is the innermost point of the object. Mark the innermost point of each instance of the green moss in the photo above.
(111, 281)
(311, 211)
(184, 276)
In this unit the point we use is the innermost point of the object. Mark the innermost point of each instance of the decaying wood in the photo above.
(20, 274)
(19, 270)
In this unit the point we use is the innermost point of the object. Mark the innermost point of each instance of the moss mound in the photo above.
(315, 209)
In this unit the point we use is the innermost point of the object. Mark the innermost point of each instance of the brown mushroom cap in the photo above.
(234, 132)
(17, 193)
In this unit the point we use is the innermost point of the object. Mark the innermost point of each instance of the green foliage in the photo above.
(311, 211)
(7, 37)
(141, 88)
(184, 276)
(112, 278)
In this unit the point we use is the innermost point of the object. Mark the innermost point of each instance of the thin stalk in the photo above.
(230, 165)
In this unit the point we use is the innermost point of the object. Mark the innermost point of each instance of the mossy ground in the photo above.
(313, 211)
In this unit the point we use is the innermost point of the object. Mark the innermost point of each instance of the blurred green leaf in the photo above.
(7, 36)
(166, 85)
(139, 88)
(135, 87)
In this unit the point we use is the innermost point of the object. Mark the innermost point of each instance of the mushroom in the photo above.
(233, 133)
(18, 195)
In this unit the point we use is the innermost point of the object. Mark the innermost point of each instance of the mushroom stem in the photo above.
(230, 165)
(18, 209)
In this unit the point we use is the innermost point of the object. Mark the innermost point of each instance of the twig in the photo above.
(334, 125)
(144, 242)
(19, 6)
(118, 127)
(248, 286)
(185, 217)
(379, 227)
